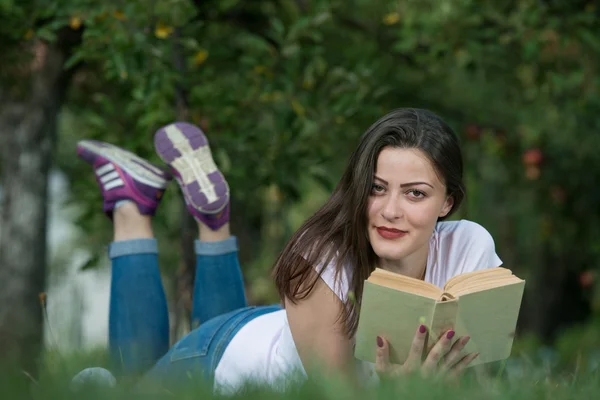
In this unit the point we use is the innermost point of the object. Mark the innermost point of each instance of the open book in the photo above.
(481, 304)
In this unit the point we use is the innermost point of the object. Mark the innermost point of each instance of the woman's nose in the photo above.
(392, 208)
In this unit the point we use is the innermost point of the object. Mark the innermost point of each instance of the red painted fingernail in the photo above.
(379, 341)
(422, 329)
(450, 335)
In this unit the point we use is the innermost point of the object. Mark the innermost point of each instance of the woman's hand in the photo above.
(444, 356)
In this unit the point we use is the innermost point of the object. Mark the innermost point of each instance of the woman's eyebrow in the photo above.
(415, 184)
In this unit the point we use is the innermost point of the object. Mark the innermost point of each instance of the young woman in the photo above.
(404, 178)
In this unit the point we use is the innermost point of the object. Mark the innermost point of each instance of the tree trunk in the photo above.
(184, 279)
(27, 137)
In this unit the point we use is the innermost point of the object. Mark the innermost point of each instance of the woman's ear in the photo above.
(447, 207)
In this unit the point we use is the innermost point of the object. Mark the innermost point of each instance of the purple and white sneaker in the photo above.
(184, 147)
(123, 175)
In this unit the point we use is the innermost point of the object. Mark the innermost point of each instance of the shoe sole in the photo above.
(185, 149)
(135, 166)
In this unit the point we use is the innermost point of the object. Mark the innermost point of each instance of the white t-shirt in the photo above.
(264, 351)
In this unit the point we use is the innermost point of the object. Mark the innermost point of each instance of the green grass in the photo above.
(520, 379)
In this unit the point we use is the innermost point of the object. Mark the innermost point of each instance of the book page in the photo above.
(404, 283)
(392, 314)
(478, 286)
(471, 277)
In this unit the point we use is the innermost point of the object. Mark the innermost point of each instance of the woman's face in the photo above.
(406, 200)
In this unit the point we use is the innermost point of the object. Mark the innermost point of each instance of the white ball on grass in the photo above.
(93, 377)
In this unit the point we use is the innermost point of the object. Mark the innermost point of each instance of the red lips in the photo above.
(390, 233)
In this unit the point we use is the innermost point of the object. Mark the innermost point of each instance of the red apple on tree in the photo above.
(473, 131)
(586, 279)
(533, 157)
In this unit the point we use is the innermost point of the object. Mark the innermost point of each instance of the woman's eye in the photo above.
(416, 193)
(377, 188)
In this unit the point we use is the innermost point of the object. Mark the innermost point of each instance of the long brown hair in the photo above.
(338, 230)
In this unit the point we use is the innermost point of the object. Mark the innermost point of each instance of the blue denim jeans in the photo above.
(139, 321)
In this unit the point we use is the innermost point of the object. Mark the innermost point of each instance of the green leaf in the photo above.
(76, 58)
(589, 38)
(91, 263)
